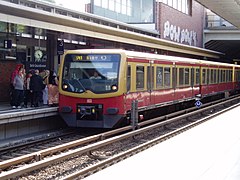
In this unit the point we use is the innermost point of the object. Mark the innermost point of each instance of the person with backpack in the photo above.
(36, 87)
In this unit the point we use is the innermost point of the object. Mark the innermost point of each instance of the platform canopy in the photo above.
(227, 9)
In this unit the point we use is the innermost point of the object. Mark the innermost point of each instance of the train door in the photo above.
(192, 79)
(197, 81)
(129, 97)
(150, 82)
(204, 80)
(174, 80)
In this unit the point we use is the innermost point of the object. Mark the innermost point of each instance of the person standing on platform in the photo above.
(45, 76)
(53, 93)
(14, 73)
(36, 87)
(28, 93)
(18, 84)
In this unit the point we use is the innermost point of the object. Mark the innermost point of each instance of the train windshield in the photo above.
(94, 72)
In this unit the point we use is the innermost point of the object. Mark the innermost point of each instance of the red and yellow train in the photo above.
(97, 86)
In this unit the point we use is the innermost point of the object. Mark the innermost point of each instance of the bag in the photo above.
(43, 86)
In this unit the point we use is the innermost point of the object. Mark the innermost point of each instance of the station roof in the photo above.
(223, 39)
(39, 18)
(227, 9)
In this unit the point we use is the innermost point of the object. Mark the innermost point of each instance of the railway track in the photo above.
(42, 141)
(80, 158)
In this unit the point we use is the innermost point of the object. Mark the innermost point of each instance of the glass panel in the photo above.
(175, 4)
(204, 76)
(223, 76)
(118, 6)
(231, 75)
(127, 11)
(197, 76)
(167, 79)
(170, 3)
(111, 5)
(129, 78)
(184, 6)
(159, 77)
(181, 76)
(211, 76)
(150, 75)
(220, 75)
(215, 76)
(180, 5)
(95, 72)
(3, 27)
(105, 4)
(186, 76)
(140, 77)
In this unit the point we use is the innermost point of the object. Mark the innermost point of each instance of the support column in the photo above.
(52, 58)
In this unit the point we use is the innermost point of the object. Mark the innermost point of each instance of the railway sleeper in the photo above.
(5, 157)
(38, 157)
(97, 157)
(166, 127)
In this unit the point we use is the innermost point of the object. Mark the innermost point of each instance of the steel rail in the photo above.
(42, 163)
(119, 157)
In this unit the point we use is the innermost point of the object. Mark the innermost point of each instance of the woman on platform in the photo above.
(53, 94)
(18, 84)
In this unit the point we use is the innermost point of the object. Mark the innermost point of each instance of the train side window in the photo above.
(231, 75)
(227, 75)
(223, 76)
(159, 77)
(204, 76)
(215, 76)
(211, 76)
(167, 75)
(186, 76)
(208, 76)
(181, 76)
(128, 78)
(238, 75)
(197, 80)
(140, 77)
(219, 76)
(150, 77)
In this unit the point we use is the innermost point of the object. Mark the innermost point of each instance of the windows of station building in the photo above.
(180, 5)
(214, 20)
(128, 11)
(119, 6)
(15, 40)
(8, 41)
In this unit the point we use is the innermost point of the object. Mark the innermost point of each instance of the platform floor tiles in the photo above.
(210, 151)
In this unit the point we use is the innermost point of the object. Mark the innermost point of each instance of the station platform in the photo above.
(210, 151)
(8, 114)
(17, 124)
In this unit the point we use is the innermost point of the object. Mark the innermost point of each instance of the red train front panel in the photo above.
(88, 112)
(91, 89)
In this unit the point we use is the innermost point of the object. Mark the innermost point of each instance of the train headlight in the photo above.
(114, 87)
(65, 86)
(93, 110)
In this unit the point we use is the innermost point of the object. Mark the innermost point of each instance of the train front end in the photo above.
(91, 89)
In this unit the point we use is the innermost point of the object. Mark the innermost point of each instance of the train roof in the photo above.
(151, 56)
